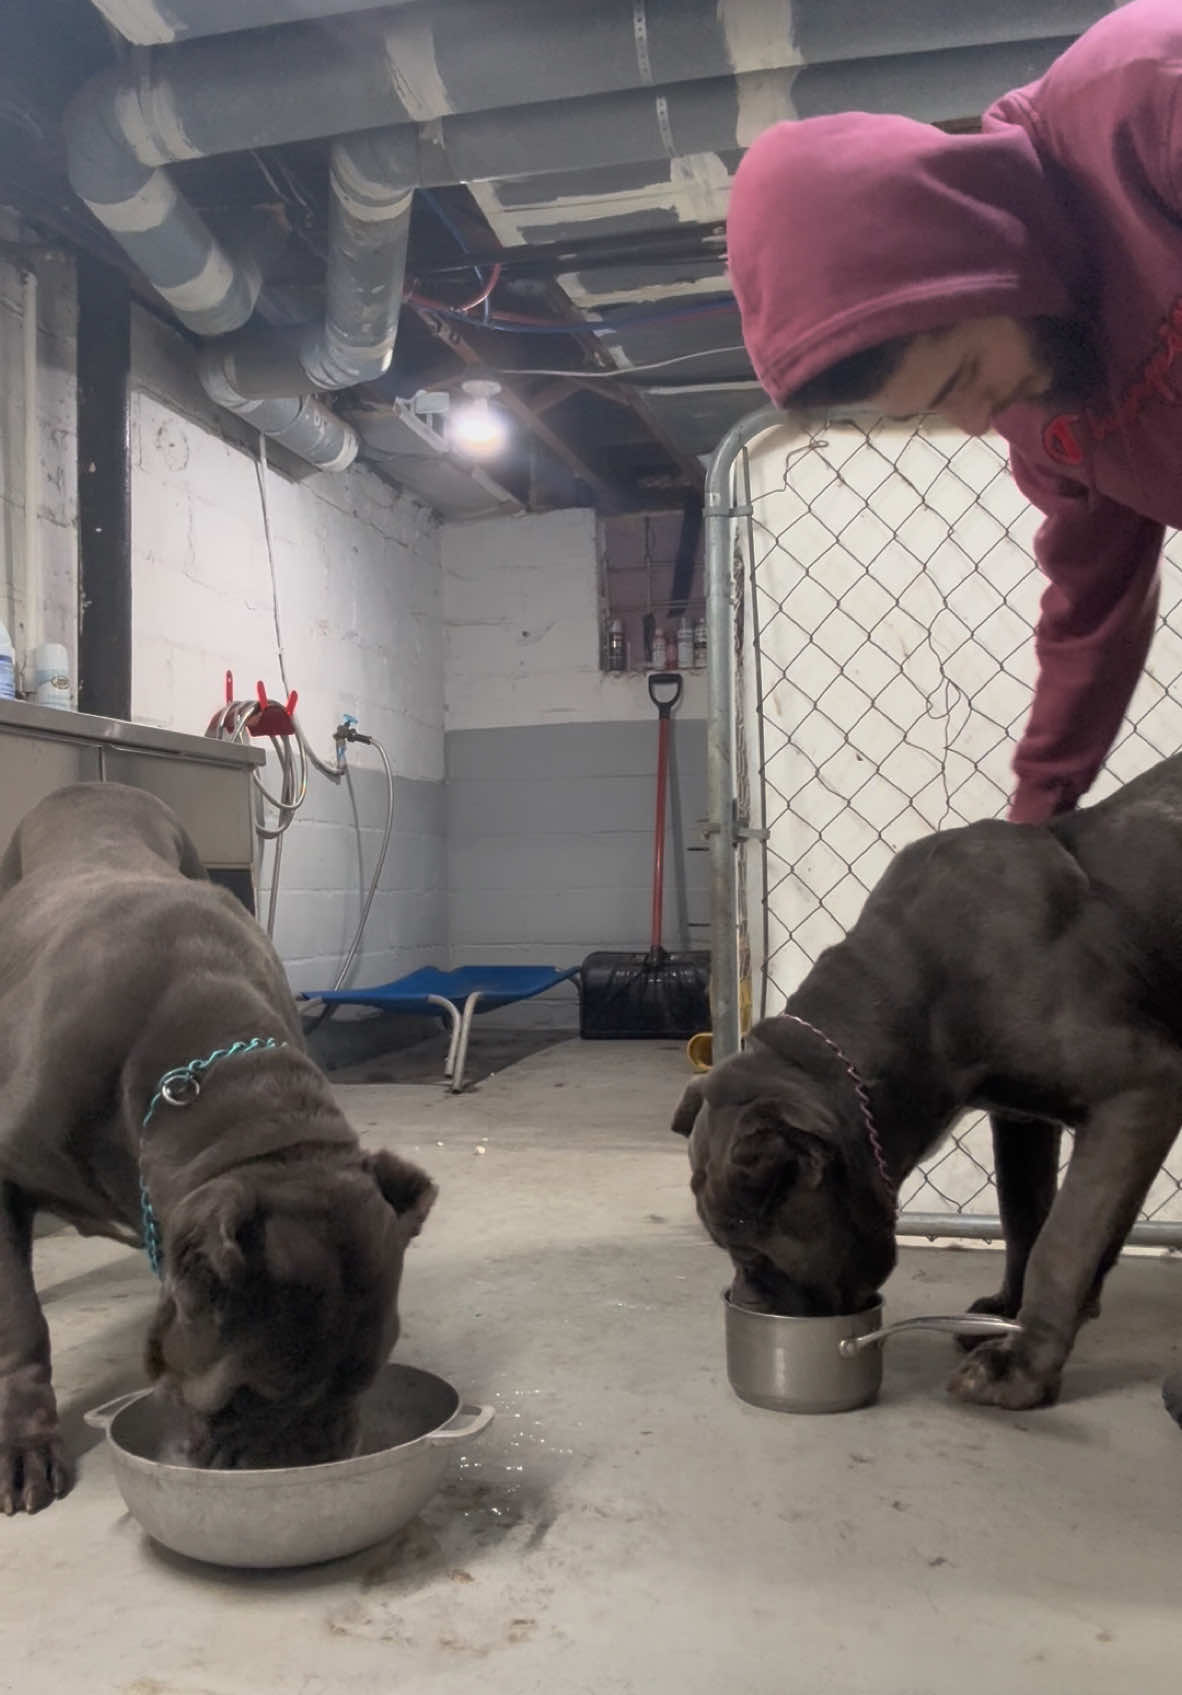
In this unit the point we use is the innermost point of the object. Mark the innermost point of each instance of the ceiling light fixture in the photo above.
(474, 426)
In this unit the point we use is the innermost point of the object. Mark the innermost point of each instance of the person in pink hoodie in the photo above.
(1028, 280)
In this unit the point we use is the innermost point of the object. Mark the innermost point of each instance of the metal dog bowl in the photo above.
(411, 1422)
(793, 1364)
(823, 1365)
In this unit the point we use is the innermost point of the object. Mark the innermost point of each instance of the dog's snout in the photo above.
(253, 1437)
(206, 1393)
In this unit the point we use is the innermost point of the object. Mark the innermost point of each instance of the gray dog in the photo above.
(1035, 972)
(153, 1087)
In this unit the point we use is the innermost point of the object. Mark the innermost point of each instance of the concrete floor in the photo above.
(626, 1525)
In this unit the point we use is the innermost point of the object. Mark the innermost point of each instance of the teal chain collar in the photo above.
(180, 1088)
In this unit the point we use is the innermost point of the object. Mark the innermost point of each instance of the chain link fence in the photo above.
(885, 594)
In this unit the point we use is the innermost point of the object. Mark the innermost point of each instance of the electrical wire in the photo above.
(513, 323)
(294, 754)
(260, 468)
(487, 284)
(462, 309)
(278, 192)
(628, 370)
(332, 772)
(482, 299)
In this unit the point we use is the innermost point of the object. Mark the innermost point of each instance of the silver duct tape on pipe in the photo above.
(202, 99)
(370, 213)
(839, 29)
(158, 229)
(256, 365)
(302, 424)
(155, 23)
(369, 234)
(720, 730)
(370, 224)
(410, 65)
(303, 81)
(635, 126)
(372, 200)
(415, 64)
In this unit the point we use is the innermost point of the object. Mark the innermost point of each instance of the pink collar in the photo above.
(863, 1095)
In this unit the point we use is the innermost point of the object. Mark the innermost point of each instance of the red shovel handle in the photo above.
(664, 690)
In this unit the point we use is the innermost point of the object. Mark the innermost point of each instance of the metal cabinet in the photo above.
(206, 782)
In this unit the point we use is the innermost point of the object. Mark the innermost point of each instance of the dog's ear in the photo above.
(404, 1186)
(687, 1111)
(768, 1154)
(206, 1239)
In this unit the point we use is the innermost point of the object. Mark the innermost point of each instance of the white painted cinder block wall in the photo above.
(359, 584)
(57, 503)
(357, 567)
(551, 763)
(521, 628)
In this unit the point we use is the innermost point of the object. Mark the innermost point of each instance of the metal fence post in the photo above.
(720, 716)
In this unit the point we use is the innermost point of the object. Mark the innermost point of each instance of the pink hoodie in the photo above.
(847, 231)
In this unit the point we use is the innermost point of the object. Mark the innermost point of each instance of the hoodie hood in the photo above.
(847, 231)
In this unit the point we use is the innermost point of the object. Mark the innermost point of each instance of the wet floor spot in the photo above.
(410, 1561)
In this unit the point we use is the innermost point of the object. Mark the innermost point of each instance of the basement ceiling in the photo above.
(609, 325)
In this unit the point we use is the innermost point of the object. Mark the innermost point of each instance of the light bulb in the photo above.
(474, 426)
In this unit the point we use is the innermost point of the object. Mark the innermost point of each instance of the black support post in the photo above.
(104, 491)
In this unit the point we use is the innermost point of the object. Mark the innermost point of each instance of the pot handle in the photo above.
(964, 1324)
(102, 1418)
(466, 1423)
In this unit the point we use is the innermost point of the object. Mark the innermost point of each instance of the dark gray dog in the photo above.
(281, 1242)
(1033, 972)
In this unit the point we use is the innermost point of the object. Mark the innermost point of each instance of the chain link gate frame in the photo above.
(871, 596)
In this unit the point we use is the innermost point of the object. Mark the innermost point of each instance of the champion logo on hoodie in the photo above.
(1060, 437)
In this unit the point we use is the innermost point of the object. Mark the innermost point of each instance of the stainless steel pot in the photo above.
(794, 1364)
(297, 1515)
(821, 1365)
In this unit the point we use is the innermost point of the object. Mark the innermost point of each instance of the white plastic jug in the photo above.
(51, 676)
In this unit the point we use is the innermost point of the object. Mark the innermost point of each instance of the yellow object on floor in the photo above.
(700, 1048)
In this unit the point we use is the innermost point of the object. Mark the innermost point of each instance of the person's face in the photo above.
(969, 373)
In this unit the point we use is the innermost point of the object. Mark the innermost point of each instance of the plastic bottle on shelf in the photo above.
(617, 650)
(700, 645)
(7, 666)
(685, 645)
(660, 651)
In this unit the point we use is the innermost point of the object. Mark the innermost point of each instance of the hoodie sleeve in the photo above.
(1093, 634)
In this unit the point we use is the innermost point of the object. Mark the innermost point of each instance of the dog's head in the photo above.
(785, 1189)
(280, 1303)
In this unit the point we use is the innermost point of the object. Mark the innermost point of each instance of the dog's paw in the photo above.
(1001, 1373)
(999, 1306)
(1171, 1394)
(33, 1474)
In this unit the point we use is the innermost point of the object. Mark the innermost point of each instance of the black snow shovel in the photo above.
(653, 994)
